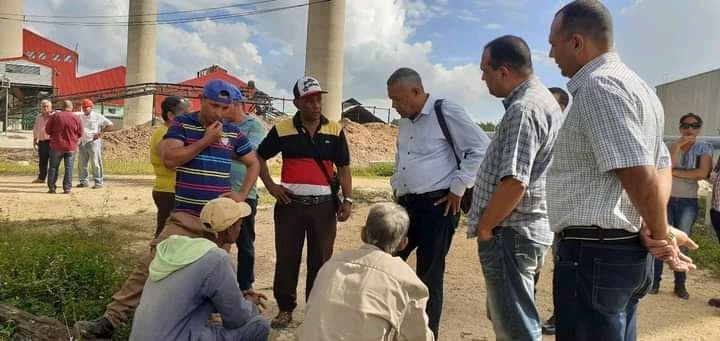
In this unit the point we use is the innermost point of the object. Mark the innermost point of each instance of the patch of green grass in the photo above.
(708, 255)
(68, 275)
(384, 169)
(112, 167)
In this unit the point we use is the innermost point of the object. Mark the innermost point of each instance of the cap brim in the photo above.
(244, 210)
(310, 93)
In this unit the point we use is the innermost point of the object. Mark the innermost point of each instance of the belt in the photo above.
(595, 233)
(310, 199)
(424, 196)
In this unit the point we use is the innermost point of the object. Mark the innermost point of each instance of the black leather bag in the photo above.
(466, 201)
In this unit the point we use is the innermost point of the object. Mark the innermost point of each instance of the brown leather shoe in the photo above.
(714, 302)
(282, 320)
(38, 181)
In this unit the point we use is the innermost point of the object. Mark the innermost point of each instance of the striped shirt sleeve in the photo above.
(241, 145)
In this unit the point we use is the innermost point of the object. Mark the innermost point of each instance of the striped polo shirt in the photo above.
(207, 175)
(300, 172)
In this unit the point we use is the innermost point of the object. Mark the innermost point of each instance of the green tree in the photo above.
(487, 126)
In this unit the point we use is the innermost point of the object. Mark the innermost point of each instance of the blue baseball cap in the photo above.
(236, 95)
(219, 91)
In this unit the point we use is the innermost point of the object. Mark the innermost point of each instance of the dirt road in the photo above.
(125, 205)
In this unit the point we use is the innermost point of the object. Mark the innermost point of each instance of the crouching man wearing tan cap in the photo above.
(192, 277)
(165, 313)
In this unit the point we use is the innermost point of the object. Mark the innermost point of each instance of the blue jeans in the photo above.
(682, 213)
(431, 233)
(91, 153)
(509, 264)
(55, 158)
(246, 249)
(597, 286)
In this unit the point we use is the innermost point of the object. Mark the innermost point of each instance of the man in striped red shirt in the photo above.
(306, 196)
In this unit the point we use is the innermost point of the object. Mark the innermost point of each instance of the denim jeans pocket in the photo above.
(490, 254)
(614, 285)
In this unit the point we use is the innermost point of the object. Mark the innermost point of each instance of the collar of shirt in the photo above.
(581, 76)
(519, 90)
(367, 246)
(427, 109)
(298, 123)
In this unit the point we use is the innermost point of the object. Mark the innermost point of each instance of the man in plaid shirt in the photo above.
(610, 177)
(509, 214)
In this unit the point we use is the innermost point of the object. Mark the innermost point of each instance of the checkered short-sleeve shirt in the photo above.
(615, 121)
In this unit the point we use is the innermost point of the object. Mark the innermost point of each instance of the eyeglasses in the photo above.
(690, 125)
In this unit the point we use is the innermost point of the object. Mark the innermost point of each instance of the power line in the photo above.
(167, 21)
(207, 9)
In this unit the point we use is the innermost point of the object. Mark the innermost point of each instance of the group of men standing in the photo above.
(594, 180)
(60, 135)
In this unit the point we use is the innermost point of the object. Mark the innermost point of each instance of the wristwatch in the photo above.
(348, 200)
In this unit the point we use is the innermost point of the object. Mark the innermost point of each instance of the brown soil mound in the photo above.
(368, 143)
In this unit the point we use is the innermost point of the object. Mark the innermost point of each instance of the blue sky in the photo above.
(661, 40)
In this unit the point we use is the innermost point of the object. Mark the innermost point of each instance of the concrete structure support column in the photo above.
(325, 51)
(11, 34)
(141, 52)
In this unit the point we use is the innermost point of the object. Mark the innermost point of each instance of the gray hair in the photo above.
(67, 105)
(405, 74)
(386, 226)
(45, 101)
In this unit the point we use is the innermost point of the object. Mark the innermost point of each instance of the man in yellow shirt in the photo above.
(164, 189)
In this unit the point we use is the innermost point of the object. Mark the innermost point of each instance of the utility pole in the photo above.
(5, 85)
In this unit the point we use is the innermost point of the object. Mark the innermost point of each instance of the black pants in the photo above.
(165, 203)
(246, 249)
(292, 222)
(431, 233)
(44, 156)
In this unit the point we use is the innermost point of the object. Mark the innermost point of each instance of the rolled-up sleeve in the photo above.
(520, 145)
(470, 145)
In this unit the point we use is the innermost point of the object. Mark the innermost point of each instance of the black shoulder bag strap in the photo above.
(334, 185)
(466, 201)
(446, 132)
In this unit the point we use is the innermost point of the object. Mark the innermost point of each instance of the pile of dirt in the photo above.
(371, 142)
(368, 143)
(128, 144)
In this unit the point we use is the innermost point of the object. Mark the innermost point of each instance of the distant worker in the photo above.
(163, 193)
(41, 140)
(90, 151)
(64, 129)
(260, 102)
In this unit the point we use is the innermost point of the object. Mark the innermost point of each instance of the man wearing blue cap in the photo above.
(255, 132)
(200, 147)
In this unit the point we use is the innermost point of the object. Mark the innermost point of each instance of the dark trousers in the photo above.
(597, 286)
(292, 222)
(246, 249)
(165, 203)
(431, 233)
(715, 219)
(44, 156)
(67, 158)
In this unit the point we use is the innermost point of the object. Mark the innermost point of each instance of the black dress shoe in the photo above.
(681, 291)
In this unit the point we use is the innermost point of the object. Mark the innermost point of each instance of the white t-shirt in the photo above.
(92, 124)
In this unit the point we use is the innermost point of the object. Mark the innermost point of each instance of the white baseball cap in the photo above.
(307, 86)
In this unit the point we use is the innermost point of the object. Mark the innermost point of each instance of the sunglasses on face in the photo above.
(690, 125)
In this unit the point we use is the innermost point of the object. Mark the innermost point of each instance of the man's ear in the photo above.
(363, 234)
(403, 244)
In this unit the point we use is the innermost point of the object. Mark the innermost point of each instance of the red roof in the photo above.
(44, 51)
(216, 74)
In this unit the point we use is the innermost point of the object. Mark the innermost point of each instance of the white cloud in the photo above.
(682, 44)
(492, 26)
